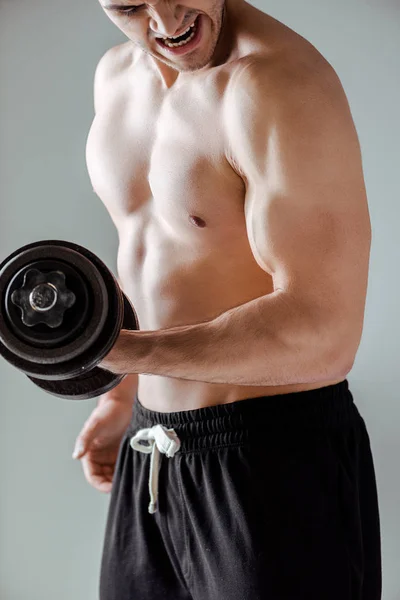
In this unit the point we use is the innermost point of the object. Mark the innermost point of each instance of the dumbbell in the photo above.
(61, 312)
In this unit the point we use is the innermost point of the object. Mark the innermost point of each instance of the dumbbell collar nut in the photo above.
(43, 298)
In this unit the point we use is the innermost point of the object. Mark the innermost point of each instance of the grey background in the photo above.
(51, 521)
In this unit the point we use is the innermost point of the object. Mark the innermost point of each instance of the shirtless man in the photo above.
(230, 165)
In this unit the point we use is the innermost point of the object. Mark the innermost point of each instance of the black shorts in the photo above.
(270, 498)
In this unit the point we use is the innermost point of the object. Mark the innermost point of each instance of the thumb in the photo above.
(80, 449)
(83, 441)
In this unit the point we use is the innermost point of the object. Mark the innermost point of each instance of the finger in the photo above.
(84, 439)
(98, 476)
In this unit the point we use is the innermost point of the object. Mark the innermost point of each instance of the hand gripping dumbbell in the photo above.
(61, 313)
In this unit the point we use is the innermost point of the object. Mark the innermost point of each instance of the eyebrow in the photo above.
(118, 6)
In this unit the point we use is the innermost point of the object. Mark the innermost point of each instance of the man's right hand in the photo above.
(98, 443)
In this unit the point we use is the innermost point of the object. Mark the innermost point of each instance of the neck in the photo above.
(226, 42)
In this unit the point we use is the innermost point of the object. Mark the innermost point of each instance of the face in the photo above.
(147, 26)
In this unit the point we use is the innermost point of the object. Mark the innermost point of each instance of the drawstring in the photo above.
(160, 439)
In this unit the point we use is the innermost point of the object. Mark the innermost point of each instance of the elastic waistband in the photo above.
(232, 424)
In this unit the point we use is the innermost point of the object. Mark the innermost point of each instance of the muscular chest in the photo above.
(165, 153)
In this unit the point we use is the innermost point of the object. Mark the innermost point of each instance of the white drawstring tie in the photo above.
(160, 439)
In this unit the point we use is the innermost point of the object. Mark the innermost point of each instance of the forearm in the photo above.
(268, 341)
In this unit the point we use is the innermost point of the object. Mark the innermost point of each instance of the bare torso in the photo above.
(157, 159)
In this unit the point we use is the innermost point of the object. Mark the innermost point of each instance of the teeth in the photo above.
(174, 37)
(171, 45)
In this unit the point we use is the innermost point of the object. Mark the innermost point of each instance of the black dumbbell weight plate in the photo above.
(96, 324)
(95, 382)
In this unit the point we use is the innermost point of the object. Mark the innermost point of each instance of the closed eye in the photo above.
(130, 11)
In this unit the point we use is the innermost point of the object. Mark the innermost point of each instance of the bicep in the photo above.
(306, 207)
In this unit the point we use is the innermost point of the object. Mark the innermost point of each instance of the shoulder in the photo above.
(294, 68)
(274, 101)
(268, 87)
(111, 65)
(115, 59)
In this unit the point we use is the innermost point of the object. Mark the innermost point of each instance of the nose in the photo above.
(166, 21)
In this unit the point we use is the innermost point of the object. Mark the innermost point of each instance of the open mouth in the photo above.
(185, 42)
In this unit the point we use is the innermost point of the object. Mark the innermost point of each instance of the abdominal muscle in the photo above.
(172, 284)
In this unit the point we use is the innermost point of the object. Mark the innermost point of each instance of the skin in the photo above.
(233, 176)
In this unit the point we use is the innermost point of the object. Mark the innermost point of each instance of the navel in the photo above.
(197, 221)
